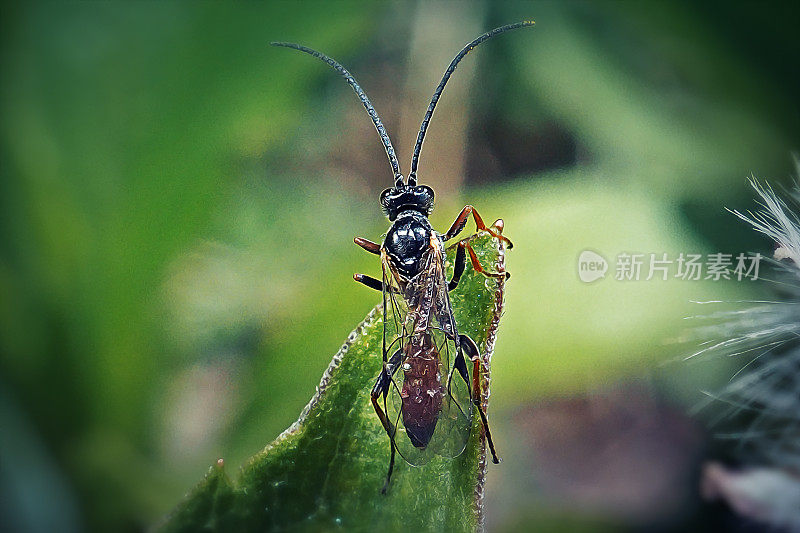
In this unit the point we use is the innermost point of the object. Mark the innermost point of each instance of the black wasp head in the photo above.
(395, 200)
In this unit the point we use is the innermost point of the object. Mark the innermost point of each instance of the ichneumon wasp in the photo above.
(425, 389)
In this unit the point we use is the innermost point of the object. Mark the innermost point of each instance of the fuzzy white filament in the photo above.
(762, 399)
(775, 220)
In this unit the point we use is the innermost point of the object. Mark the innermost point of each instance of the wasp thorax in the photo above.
(418, 198)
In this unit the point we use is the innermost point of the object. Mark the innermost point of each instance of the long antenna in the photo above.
(412, 176)
(387, 143)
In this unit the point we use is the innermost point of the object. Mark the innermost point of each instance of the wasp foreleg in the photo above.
(381, 389)
(476, 264)
(461, 221)
(469, 347)
(369, 246)
(460, 262)
(369, 281)
(458, 267)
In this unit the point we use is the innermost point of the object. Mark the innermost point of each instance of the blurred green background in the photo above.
(178, 203)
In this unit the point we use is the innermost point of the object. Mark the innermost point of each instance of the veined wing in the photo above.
(429, 403)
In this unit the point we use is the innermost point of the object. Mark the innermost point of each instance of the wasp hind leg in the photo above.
(381, 389)
(469, 347)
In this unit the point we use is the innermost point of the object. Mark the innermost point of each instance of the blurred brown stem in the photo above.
(438, 31)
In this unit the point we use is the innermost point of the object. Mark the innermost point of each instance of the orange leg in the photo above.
(477, 264)
(476, 384)
(461, 220)
(469, 347)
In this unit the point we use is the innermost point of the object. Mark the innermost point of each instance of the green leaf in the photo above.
(326, 471)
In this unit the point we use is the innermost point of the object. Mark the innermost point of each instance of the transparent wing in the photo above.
(395, 312)
(455, 420)
(401, 314)
(405, 435)
(429, 402)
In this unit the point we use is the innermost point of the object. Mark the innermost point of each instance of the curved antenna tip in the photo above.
(412, 175)
(384, 136)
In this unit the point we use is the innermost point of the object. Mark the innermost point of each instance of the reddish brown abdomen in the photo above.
(422, 390)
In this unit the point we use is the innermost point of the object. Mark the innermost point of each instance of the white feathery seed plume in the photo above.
(762, 400)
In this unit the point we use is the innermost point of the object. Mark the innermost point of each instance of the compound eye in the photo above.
(427, 192)
(385, 197)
